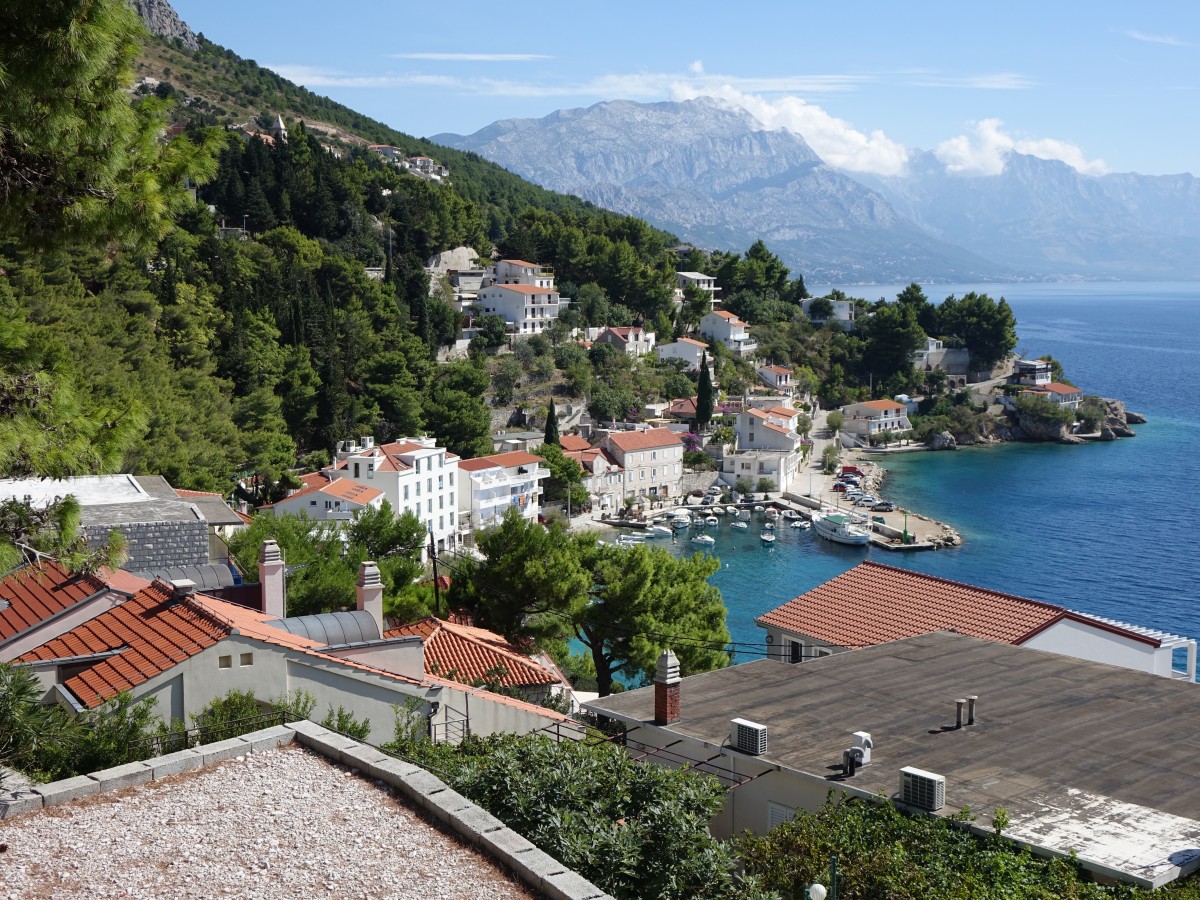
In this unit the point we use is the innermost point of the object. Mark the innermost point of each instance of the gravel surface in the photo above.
(285, 823)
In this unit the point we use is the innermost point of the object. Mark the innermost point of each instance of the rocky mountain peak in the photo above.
(162, 20)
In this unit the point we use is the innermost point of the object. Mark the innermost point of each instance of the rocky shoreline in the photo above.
(1116, 423)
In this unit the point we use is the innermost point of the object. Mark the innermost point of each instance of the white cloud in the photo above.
(1169, 40)
(986, 150)
(836, 141)
(991, 81)
(474, 57)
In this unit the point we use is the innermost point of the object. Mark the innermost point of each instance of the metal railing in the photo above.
(185, 738)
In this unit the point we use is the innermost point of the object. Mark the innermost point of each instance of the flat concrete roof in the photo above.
(1097, 759)
(109, 499)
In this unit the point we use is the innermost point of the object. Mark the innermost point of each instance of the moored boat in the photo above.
(711, 521)
(791, 514)
(706, 539)
(767, 537)
(658, 531)
(739, 524)
(841, 528)
(800, 523)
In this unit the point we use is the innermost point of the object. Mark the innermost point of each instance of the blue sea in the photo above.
(1108, 529)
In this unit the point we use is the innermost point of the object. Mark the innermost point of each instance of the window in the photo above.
(795, 652)
(312, 502)
(441, 524)
(777, 814)
(246, 659)
(429, 485)
(451, 479)
(441, 482)
(224, 662)
(356, 470)
(406, 492)
(329, 504)
(429, 505)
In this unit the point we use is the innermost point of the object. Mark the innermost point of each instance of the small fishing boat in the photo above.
(658, 531)
(800, 523)
(706, 539)
(768, 526)
(743, 515)
(758, 509)
(767, 537)
(791, 515)
(771, 512)
(739, 524)
(718, 510)
(841, 529)
(712, 521)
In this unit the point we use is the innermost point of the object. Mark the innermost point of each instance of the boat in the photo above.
(768, 526)
(739, 524)
(680, 520)
(711, 521)
(771, 512)
(791, 514)
(743, 515)
(658, 531)
(800, 523)
(758, 509)
(706, 539)
(630, 540)
(718, 510)
(767, 537)
(841, 529)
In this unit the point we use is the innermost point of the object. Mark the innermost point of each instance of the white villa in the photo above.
(523, 294)
(777, 378)
(687, 349)
(631, 340)
(843, 313)
(731, 331)
(491, 484)
(768, 446)
(339, 500)
(414, 474)
(872, 417)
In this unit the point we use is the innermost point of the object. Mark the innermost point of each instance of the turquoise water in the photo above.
(1107, 529)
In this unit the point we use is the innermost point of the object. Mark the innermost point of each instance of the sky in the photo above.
(1102, 86)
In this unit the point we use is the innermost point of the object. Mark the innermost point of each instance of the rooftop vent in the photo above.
(747, 736)
(922, 789)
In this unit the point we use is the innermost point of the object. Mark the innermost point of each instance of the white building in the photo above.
(871, 417)
(777, 378)
(687, 349)
(339, 500)
(843, 316)
(603, 478)
(955, 362)
(633, 340)
(415, 476)
(491, 484)
(525, 308)
(704, 283)
(652, 461)
(731, 331)
(768, 446)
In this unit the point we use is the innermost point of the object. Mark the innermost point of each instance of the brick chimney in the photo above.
(666, 689)
(271, 580)
(370, 592)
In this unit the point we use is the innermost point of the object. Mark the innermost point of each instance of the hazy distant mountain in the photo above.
(1044, 218)
(716, 178)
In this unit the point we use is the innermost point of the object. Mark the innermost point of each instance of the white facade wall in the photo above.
(865, 420)
(524, 313)
(1072, 638)
(324, 508)
(689, 353)
(488, 493)
(657, 472)
(730, 332)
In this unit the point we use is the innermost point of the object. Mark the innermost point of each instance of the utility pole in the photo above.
(437, 588)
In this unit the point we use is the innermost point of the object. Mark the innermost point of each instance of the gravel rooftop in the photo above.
(285, 823)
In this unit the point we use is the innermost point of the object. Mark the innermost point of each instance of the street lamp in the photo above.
(905, 511)
(817, 890)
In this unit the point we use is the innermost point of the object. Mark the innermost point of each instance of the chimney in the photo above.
(958, 719)
(271, 580)
(182, 587)
(666, 689)
(971, 698)
(370, 592)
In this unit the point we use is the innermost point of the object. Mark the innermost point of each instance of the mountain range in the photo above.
(713, 175)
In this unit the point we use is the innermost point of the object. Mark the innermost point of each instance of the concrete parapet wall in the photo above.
(535, 868)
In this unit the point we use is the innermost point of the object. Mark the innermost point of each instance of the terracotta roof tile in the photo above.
(573, 442)
(473, 655)
(523, 288)
(693, 342)
(645, 440)
(150, 632)
(874, 603)
(1057, 387)
(500, 460)
(882, 405)
(33, 594)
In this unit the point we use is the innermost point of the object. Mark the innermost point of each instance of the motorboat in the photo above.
(706, 539)
(768, 526)
(630, 540)
(758, 509)
(841, 528)
(680, 520)
(800, 523)
(743, 515)
(771, 512)
(718, 510)
(791, 514)
(712, 521)
(767, 537)
(739, 524)
(658, 531)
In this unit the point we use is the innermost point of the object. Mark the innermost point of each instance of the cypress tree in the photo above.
(551, 424)
(704, 395)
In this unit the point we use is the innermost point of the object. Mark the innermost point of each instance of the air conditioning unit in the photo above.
(922, 789)
(749, 737)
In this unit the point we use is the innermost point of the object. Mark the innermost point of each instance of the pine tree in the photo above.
(551, 424)
(704, 395)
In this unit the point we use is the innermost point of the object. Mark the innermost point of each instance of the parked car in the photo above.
(839, 487)
(849, 479)
(884, 506)
(866, 500)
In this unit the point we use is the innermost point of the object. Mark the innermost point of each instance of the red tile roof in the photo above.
(35, 593)
(521, 262)
(500, 461)
(1057, 387)
(874, 603)
(473, 655)
(684, 406)
(524, 288)
(778, 370)
(883, 405)
(644, 440)
(341, 488)
(724, 314)
(783, 412)
(693, 341)
(569, 442)
(150, 632)
(185, 494)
